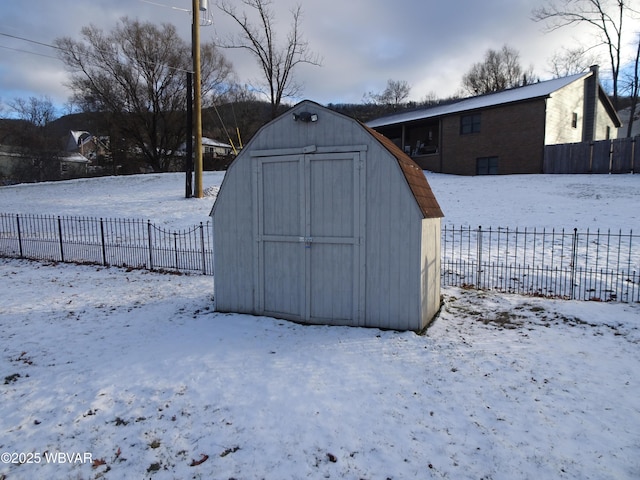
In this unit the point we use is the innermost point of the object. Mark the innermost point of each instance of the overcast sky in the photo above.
(362, 43)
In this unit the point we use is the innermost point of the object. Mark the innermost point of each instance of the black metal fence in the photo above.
(132, 243)
(552, 263)
(586, 265)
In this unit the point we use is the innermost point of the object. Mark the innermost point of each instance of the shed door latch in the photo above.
(306, 240)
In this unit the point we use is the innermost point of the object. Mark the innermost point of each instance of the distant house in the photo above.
(73, 165)
(86, 144)
(19, 165)
(218, 149)
(77, 140)
(211, 147)
(504, 132)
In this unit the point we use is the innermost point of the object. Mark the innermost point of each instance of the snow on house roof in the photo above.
(209, 142)
(73, 158)
(78, 135)
(528, 92)
(214, 143)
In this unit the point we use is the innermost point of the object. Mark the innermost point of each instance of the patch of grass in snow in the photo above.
(505, 315)
(23, 358)
(505, 320)
(120, 422)
(516, 312)
(11, 378)
(229, 450)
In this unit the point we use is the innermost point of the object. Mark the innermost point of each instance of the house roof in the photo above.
(528, 92)
(209, 142)
(78, 135)
(70, 157)
(414, 176)
(214, 143)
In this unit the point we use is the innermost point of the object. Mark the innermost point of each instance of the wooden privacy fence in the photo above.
(132, 243)
(621, 155)
(552, 263)
(577, 265)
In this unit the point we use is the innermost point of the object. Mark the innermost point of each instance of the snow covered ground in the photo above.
(109, 373)
(560, 201)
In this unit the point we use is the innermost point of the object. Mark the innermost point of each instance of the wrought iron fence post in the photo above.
(19, 235)
(479, 257)
(60, 237)
(150, 244)
(104, 250)
(204, 258)
(628, 280)
(175, 248)
(574, 261)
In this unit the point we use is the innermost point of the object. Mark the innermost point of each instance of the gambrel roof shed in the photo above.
(322, 220)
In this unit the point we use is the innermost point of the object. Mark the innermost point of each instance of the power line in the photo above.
(178, 69)
(166, 6)
(29, 40)
(27, 51)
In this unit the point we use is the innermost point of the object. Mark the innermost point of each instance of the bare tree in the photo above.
(631, 83)
(429, 98)
(394, 95)
(276, 61)
(570, 61)
(37, 111)
(605, 17)
(500, 70)
(35, 138)
(137, 74)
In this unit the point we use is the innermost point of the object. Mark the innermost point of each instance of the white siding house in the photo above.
(504, 132)
(322, 220)
(215, 147)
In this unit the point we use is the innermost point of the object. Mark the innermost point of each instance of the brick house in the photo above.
(504, 132)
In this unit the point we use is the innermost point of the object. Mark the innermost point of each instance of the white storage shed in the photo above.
(322, 220)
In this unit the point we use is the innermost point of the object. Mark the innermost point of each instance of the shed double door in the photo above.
(308, 225)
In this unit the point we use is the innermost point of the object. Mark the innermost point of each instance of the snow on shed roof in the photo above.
(528, 92)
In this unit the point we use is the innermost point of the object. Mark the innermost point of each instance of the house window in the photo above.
(470, 124)
(574, 120)
(487, 166)
(608, 132)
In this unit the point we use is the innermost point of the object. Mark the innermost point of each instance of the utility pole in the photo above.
(189, 142)
(197, 94)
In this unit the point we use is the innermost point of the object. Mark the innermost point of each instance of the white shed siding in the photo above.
(561, 106)
(393, 247)
(232, 226)
(430, 274)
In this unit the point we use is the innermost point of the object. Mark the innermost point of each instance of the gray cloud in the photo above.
(363, 43)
